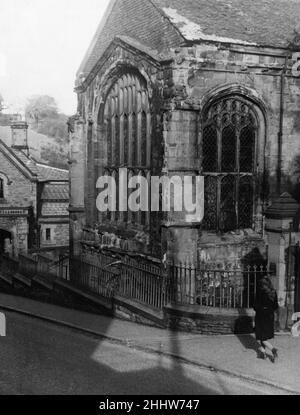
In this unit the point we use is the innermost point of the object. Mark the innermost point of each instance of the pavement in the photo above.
(230, 355)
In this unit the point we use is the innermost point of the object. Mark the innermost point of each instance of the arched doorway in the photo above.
(5, 241)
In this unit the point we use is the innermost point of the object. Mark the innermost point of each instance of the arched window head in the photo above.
(127, 112)
(229, 139)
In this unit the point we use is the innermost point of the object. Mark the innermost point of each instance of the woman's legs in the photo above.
(261, 353)
(266, 344)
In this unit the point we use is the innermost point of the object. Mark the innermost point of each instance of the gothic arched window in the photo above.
(228, 164)
(127, 120)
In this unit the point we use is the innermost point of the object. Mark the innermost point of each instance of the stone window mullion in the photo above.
(134, 140)
(125, 140)
(143, 139)
(121, 140)
(149, 144)
(130, 142)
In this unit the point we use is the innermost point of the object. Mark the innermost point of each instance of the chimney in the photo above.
(19, 130)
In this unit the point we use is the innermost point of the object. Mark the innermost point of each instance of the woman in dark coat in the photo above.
(266, 303)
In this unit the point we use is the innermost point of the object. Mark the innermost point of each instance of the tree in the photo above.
(54, 157)
(2, 106)
(44, 117)
(40, 107)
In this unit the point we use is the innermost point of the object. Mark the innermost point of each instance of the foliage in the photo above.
(55, 158)
(44, 117)
(1, 103)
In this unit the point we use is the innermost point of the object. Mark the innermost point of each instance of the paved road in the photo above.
(41, 358)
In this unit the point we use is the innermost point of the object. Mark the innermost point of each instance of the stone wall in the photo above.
(210, 321)
(55, 209)
(19, 229)
(59, 234)
(19, 190)
(83, 187)
(198, 75)
(179, 91)
(204, 71)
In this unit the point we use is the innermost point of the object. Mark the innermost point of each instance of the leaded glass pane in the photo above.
(247, 143)
(143, 213)
(144, 139)
(210, 203)
(116, 177)
(225, 119)
(227, 204)
(228, 163)
(125, 101)
(134, 140)
(210, 149)
(125, 133)
(117, 142)
(109, 141)
(245, 202)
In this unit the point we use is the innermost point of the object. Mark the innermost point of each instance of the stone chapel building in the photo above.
(189, 87)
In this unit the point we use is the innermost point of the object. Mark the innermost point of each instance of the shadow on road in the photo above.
(42, 358)
(248, 341)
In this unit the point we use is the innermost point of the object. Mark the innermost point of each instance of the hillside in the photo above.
(41, 147)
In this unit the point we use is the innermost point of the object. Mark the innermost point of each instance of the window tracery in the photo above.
(228, 164)
(127, 119)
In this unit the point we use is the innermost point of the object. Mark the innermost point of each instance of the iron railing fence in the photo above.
(99, 259)
(144, 282)
(95, 278)
(210, 285)
(127, 277)
(152, 284)
(29, 266)
(233, 286)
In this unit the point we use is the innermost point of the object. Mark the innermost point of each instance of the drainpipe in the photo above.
(281, 111)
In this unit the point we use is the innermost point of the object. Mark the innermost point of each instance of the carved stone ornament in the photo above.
(295, 42)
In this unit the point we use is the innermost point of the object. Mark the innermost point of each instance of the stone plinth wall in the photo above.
(209, 321)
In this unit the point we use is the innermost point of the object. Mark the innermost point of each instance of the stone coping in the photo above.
(193, 311)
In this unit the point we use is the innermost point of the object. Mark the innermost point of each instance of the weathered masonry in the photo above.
(34, 198)
(189, 87)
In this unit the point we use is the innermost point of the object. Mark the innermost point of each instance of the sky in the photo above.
(42, 43)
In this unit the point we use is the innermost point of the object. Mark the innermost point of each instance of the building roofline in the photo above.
(165, 16)
(130, 43)
(29, 173)
(103, 21)
(50, 167)
(216, 39)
